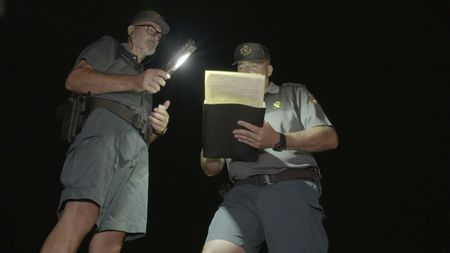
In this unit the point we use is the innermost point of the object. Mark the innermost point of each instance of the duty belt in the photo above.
(135, 119)
(311, 174)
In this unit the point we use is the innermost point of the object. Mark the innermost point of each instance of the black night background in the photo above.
(380, 70)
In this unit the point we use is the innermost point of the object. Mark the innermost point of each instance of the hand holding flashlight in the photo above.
(151, 80)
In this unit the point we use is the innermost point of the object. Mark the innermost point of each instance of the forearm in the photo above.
(315, 139)
(85, 79)
(211, 166)
(152, 138)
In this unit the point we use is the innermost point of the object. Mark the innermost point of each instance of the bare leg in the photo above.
(221, 246)
(77, 219)
(107, 242)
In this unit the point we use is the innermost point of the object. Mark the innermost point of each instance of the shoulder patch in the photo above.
(312, 99)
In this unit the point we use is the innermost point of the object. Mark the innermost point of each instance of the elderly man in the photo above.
(105, 174)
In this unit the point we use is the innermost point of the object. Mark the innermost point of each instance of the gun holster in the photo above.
(73, 114)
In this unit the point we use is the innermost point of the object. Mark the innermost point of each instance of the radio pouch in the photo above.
(73, 114)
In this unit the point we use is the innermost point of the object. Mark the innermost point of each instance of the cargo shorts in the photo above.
(108, 164)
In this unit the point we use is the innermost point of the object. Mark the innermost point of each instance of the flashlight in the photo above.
(181, 56)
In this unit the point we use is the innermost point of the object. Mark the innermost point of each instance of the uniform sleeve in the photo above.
(311, 112)
(101, 54)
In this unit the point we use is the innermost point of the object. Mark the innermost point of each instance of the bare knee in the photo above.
(77, 218)
(80, 212)
(107, 242)
(221, 246)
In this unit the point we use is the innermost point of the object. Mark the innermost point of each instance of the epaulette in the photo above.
(293, 84)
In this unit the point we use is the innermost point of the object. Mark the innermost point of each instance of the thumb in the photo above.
(166, 104)
(266, 123)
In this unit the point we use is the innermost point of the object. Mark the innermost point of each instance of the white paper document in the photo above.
(225, 87)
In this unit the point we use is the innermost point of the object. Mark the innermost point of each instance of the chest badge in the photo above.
(277, 105)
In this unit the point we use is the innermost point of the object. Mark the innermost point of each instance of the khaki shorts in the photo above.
(108, 165)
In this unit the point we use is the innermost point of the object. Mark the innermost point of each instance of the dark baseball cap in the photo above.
(250, 51)
(151, 15)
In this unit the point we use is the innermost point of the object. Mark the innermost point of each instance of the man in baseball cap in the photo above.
(153, 16)
(276, 198)
(110, 196)
(250, 57)
(249, 51)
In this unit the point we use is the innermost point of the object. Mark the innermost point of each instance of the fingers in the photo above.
(152, 88)
(250, 130)
(247, 125)
(159, 118)
(254, 136)
(154, 79)
(153, 84)
(157, 124)
(247, 137)
(160, 115)
(247, 140)
(158, 72)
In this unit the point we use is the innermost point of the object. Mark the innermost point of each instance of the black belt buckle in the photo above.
(265, 180)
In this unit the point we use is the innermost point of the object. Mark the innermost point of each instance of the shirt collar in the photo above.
(129, 54)
(273, 88)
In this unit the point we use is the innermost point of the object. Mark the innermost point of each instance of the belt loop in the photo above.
(138, 121)
(318, 172)
(265, 179)
(318, 176)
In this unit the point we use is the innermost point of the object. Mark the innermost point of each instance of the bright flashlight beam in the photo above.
(181, 60)
(188, 48)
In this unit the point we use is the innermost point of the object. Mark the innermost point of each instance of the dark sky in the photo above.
(380, 70)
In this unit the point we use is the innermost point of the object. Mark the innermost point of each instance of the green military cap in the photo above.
(250, 51)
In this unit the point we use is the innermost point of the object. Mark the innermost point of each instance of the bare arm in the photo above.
(211, 166)
(315, 139)
(83, 78)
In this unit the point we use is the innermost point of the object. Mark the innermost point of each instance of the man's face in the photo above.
(145, 36)
(263, 68)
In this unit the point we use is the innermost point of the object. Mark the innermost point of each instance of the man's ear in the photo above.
(130, 30)
(269, 70)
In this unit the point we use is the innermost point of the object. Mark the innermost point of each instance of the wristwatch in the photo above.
(281, 144)
(160, 133)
